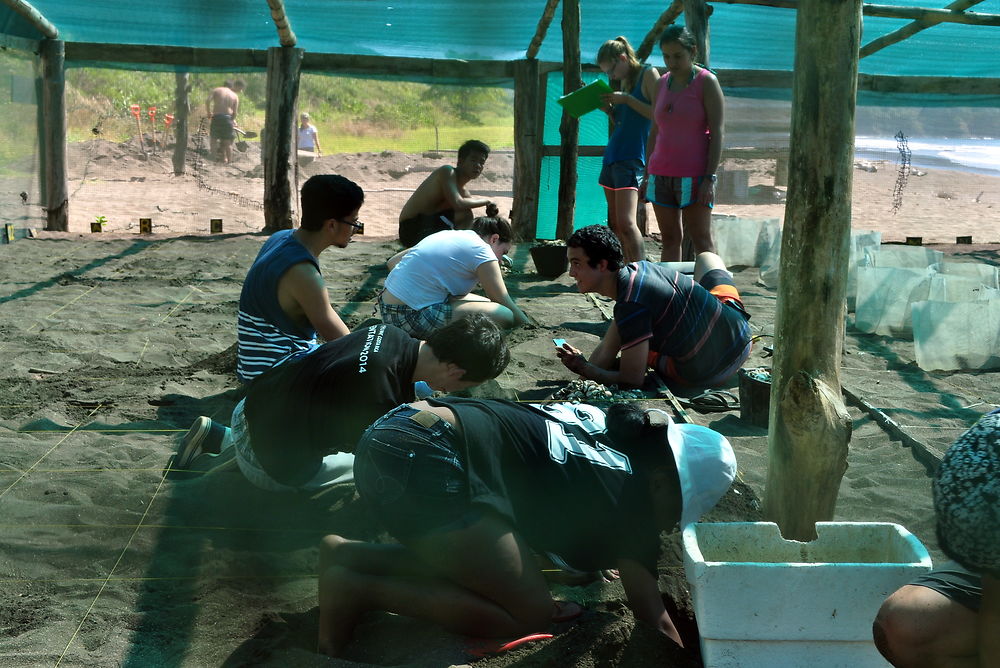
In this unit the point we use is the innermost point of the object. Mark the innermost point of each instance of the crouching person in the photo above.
(300, 420)
(470, 488)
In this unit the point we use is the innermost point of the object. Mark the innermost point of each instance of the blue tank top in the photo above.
(628, 139)
(266, 335)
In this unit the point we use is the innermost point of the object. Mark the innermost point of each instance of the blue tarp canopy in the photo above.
(742, 36)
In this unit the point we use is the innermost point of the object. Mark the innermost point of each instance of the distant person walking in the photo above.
(308, 135)
(442, 201)
(222, 106)
(630, 110)
(685, 147)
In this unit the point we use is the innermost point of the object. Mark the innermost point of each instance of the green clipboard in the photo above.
(585, 99)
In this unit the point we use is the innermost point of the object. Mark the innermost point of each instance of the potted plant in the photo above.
(98, 224)
(549, 256)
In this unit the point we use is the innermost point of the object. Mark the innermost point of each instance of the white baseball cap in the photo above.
(705, 462)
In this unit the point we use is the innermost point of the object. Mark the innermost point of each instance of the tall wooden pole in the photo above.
(528, 127)
(696, 13)
(569, 128)
(809, 425)
(53, 134)
(182, 111)
(280, 197)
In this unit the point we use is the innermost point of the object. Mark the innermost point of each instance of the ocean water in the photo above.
(978, 155)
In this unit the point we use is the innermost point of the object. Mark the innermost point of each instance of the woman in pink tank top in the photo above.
(684, 147)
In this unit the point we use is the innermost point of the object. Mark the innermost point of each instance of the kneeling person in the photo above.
(300, 420)
(691, 332)
(470, 487)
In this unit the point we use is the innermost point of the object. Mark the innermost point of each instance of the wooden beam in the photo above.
(280, 18)
(441, 68)
(529, 101)
(280, 198)
(910, 29)
(52, 110)
(541, 29)
(34, 17)
(929, 85)
(809, 425)
(668, 16)
(890, 11)
(569, 128)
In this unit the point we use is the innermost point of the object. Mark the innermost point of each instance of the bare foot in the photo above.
(339, 609)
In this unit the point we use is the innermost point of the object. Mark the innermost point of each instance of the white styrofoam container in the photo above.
(763, 601)
(950, 336)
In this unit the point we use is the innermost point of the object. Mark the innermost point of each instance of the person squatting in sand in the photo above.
(284, 302)
(690, 332)
(950, 617)
(442, 201)
(630, 110)
(471, 487)
(685, 147)
(429, 285)
(299, 421)
(222, 105)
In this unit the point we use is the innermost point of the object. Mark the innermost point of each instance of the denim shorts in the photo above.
(621, 175)
(408, 470)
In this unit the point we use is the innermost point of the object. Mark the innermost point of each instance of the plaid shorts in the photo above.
(418, 323)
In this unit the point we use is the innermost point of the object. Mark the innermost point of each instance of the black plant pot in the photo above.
(550, 261)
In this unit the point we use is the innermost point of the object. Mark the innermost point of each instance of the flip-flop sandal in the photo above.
(480, 648)
(712, 401)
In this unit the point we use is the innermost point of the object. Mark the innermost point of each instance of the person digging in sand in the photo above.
(690, 332)
(299, 421)
(470, 487)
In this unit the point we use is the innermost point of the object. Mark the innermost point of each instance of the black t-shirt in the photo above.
(300, 411)
(541, 467)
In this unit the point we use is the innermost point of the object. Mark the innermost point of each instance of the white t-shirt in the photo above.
(442, 265)
(307, 137)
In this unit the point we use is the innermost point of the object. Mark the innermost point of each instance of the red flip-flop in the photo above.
(483, 647)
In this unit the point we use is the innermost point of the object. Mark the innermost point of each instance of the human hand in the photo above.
(571, 358)
(492, 210)
(617, 97)
(642, 188)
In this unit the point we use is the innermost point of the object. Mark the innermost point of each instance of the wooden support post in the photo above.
(569, 128)
(652, 38)
(696, 13)
(528, 126)
(53, 134)
(810, 427)
(541, 29)
(182, 111)
(280, 192)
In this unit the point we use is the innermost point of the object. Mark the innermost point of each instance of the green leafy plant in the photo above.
(101, 220)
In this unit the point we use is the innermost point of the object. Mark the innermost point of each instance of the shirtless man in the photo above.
(222, 105)
(442, 202)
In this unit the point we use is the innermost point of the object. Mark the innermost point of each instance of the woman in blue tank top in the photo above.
(629, 110)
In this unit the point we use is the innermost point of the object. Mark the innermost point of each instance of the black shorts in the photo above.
(412, 230)
(954, 582)
(223, 127)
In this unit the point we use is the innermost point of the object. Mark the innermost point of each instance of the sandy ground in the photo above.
(113, 344)
(123, 184)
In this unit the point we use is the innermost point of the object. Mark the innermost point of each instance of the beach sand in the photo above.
(114, 343)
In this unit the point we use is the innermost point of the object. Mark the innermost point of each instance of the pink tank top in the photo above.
(681, 129)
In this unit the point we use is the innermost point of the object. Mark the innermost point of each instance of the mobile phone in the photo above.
(559, 342)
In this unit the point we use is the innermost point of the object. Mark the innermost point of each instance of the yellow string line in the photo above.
(155, 526)
(47, 453)
(118, 561)
(174, 578)
(109, 430)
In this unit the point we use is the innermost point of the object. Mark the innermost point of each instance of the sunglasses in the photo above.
(359, 227)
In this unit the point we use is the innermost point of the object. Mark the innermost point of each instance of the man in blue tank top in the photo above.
(284, 303)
